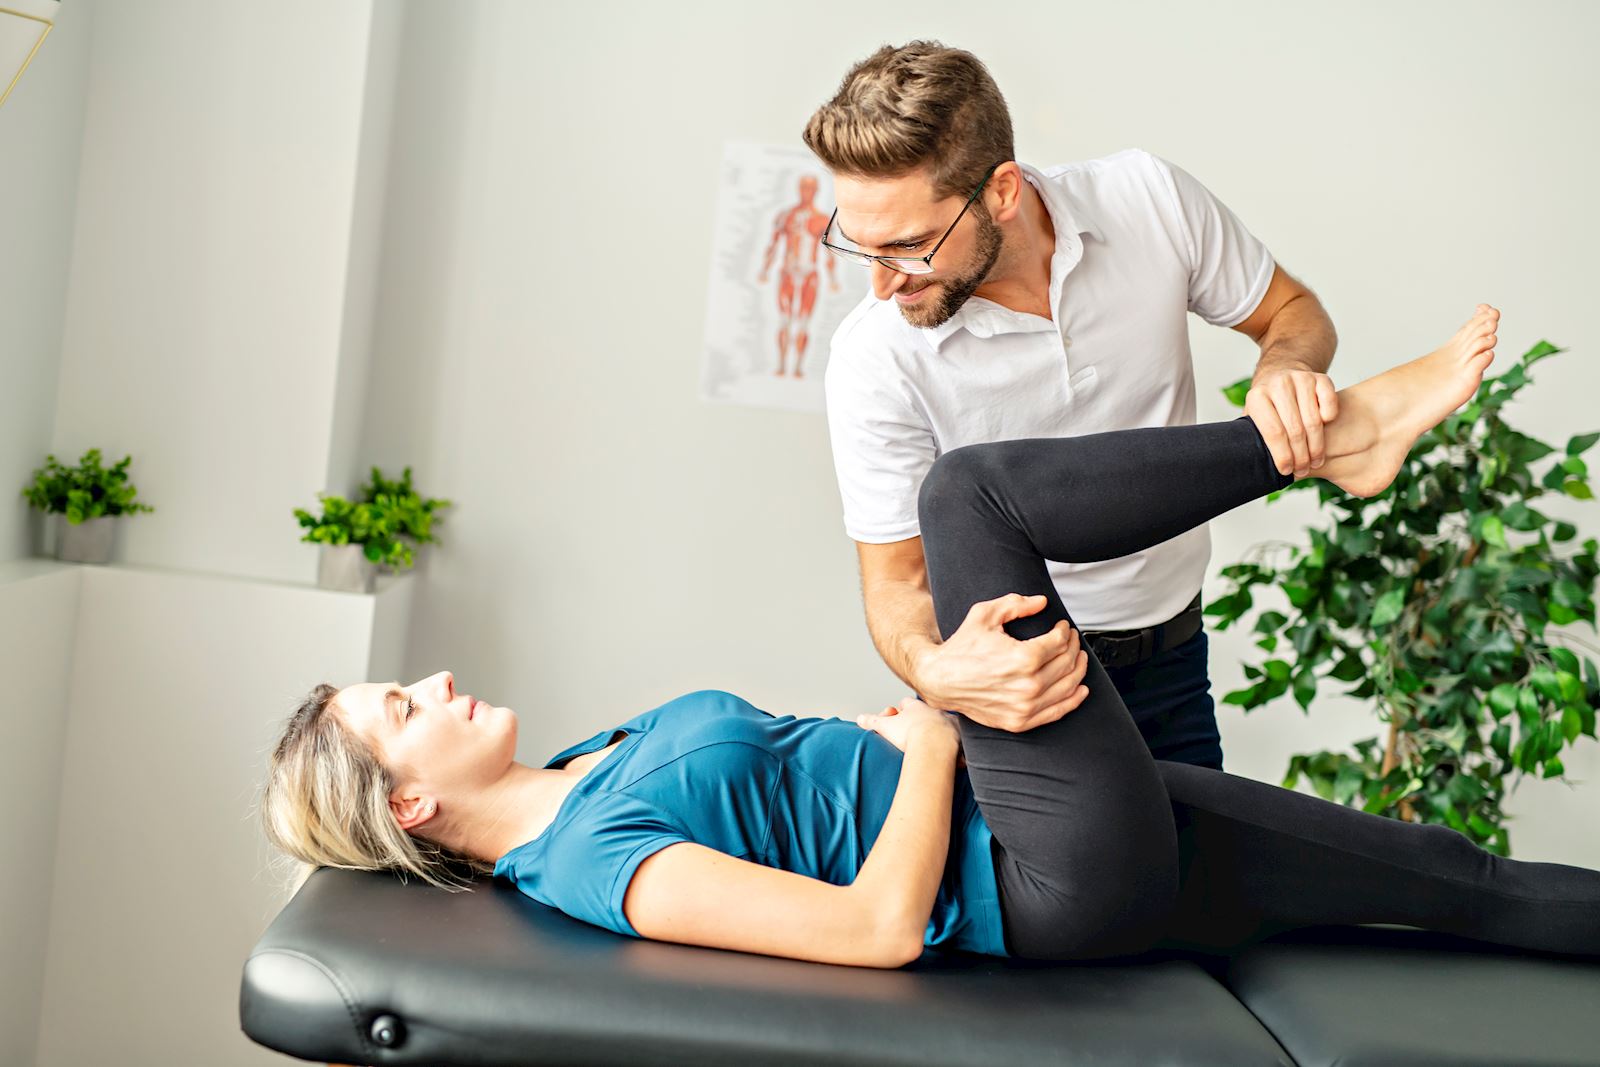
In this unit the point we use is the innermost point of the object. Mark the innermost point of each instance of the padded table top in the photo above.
(1365, 997)
(492, 977)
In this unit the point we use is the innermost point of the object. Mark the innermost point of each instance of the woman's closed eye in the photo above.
(411, 705)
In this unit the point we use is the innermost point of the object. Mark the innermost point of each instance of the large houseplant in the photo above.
(1435, 600)
(86, 499)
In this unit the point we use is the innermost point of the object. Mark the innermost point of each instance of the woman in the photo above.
(707, 821)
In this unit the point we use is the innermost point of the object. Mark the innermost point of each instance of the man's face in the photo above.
(901, 217)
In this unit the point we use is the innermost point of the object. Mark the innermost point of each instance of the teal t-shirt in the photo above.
(806, 795)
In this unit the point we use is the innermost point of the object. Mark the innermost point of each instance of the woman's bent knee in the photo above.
(952, 483)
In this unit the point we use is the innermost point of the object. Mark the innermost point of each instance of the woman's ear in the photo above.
(411, 812)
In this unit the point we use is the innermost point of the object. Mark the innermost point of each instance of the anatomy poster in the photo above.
(775, 295)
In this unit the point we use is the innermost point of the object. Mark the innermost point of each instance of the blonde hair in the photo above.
(326, 804)
(920, 104)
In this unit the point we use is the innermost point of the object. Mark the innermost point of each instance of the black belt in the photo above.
(1124, 648)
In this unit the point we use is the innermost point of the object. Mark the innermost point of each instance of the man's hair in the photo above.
(917, 105)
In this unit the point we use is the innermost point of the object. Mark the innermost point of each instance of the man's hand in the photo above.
(994, 679)
(1289, 405)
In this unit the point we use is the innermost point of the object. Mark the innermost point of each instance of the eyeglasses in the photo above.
(903, 264)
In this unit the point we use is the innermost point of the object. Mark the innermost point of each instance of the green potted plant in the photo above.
(1435, 599)
(85, 501)
(379, 529)
(412, 514)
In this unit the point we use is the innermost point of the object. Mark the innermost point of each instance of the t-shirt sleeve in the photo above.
(597, 853)
(882, 449)
(1229, 268)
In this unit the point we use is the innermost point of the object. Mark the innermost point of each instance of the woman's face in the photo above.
(440, 745)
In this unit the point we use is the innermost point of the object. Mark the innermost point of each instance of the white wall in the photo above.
(618, 542)
(41, 132)
(195, 289)
(218, 257)
(366, 243)
(38, 613)
(179, 685)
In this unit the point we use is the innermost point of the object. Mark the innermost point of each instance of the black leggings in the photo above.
(1101, 850)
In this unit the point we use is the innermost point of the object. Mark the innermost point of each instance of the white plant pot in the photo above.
(85, 542)
(346, 569)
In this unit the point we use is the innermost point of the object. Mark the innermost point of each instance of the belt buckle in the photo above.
(1120, 650)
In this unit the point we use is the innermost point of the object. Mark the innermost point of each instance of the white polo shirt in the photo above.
(1138, 243)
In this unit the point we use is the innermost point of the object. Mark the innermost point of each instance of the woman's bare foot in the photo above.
(1382, 417)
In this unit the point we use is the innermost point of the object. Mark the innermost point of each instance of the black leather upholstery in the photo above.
(492, 977)
(1366, 997)
(360, 968)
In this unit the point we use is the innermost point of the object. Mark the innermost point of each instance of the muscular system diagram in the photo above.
(797, 230)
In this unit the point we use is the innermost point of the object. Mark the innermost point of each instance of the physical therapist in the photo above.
(1012, 302)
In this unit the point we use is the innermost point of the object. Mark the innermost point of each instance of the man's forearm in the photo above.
(901, 621)
(1301, 335)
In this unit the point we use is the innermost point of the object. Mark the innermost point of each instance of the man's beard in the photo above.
(955, 291)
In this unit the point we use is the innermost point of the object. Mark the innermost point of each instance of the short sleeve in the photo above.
(596, 854)
(1229, 268)
(882, 450)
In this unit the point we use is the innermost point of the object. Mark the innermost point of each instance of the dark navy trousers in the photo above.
(1169, 697)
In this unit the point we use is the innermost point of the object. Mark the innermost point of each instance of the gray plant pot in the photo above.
(346, 569)
(418, 554)
(85, 542)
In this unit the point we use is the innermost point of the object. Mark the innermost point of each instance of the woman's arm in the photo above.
(695, 895)
(906, 864)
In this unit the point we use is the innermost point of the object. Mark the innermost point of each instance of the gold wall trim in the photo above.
(48, 26)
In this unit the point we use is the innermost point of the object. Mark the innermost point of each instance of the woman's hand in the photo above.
(897, 723)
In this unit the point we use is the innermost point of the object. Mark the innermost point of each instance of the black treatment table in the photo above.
(363, 969)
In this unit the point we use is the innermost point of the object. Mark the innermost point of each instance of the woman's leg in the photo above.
(1085, 848)
(1086, 854)
(1257, 859)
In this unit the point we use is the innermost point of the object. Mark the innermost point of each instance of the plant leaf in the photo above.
(1494, 531)
(1581, 443)
(1388, 607)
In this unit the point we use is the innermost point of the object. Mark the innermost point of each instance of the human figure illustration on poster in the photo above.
(799, 229)
(775, 296)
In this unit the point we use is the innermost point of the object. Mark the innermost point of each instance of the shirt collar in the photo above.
(1070, 222)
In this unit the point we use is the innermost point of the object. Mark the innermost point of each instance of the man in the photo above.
(1010, 302)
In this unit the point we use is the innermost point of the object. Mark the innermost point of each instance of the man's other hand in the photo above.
(1290, 405)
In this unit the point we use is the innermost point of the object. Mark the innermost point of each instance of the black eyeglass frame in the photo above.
(893, 262)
